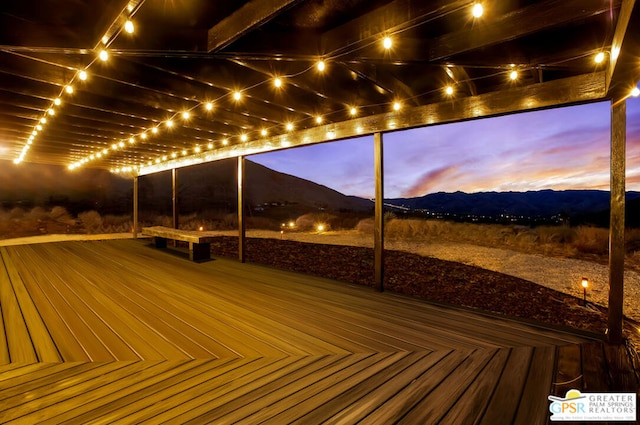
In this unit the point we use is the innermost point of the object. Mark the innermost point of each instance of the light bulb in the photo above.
(477, 10)
(128, 27)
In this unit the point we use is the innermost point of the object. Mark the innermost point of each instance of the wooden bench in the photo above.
(199, 241)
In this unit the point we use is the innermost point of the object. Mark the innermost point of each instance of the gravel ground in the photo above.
(562, 274)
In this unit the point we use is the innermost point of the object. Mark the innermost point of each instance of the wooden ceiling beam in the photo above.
(538, 17)
(386, 19)
(623, 71)
(579, 89)
(244, 20)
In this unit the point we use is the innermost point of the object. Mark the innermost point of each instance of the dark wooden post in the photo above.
(174, 197)
(135, 207)
(616, 227)
(241, 221)
(378, 228)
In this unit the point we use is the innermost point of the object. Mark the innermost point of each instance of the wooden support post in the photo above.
(617, 222)
(174, 197)
(378, 228)
(241, 221)
(135, 207)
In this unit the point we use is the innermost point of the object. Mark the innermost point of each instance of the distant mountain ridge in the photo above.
(542, 203)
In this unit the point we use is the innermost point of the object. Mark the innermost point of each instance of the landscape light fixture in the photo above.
(585, 285)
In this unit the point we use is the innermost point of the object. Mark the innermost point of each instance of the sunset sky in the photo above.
(563, 148)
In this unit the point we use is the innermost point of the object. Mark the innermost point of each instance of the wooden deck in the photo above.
(117, 332)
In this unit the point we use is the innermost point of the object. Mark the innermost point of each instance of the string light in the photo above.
(635, 92)
(186, 115)
(244, 137)
(208, 106)
(129, 27)
(353, 111)
(449, 90)
(397, 106)
(237, 95)
(69, 89)
(319, 119)
(321, 66)
(264, 132)
(104, 55)
(513, 75)
(277, 82)
(289, 126)
(599, 58)
(387, 43)
(169, 123)
(83, 75)
(477, 10)
(57, 101)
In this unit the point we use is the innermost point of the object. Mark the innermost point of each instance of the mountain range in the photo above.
(213, 186)
(542, 203)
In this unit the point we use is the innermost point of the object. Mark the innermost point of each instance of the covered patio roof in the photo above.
(198, 80)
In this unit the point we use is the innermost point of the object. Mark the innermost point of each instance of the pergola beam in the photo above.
(620, 57)
(580, 89)
(244, 20)
(522, 22)
(386, 19)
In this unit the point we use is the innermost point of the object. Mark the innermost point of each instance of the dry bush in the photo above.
(556, 234)
(117, 224)
(591, 240)
(365, 226)
(60, 214)
(310, 221)
(263, 223)
(91, 221)
(16, 212)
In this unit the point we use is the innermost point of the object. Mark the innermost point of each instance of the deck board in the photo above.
(144, 335)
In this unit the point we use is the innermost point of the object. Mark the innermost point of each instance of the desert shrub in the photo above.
(91, 221)
(262, 223)
(556, 234)
(310, 221)
(365, 226)
(16, 212)
(591, 240)
(60, 214)
(229, 222)
(117, 223)
(37, 213)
